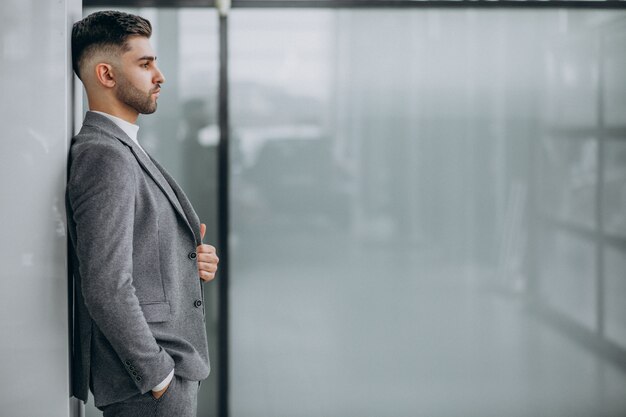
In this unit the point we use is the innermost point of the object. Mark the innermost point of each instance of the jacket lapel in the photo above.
(165, 182)
(189, 213)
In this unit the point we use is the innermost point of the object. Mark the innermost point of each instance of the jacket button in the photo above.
(192, 255)
(137, 378)
(197, 303)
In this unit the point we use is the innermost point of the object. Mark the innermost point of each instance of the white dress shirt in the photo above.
(128, 128)
(131, 130)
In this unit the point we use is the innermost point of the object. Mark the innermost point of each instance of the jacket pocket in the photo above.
(156, 312)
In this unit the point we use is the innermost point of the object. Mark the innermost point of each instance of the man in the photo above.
(137, 253)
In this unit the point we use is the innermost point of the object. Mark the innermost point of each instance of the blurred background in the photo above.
(426, 206)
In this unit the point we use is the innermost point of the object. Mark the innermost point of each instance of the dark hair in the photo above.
(102, 30)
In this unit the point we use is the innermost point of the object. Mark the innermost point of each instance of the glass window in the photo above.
(380, 192)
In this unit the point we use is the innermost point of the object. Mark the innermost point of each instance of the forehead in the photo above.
(138, 46)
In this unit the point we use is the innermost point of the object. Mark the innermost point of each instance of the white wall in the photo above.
(37, 121)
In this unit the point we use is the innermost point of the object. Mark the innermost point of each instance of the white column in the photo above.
(36, 105)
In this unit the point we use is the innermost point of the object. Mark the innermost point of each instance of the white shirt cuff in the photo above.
(165, 382)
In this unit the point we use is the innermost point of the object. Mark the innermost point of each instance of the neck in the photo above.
(116, 109)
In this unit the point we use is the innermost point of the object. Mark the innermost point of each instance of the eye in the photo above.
(145, 65)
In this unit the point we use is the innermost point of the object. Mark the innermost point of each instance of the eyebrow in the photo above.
(147, 58)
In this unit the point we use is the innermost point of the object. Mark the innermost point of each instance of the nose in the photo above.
(159, 78)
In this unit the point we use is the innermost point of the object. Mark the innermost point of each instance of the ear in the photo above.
(104, 75)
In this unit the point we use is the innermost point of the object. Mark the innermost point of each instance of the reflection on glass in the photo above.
(568, 276)
(615, 84)
(614, 290)
(572, 81)
(614, 187)
(568, 184)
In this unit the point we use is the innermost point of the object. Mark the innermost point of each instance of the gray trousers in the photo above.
(180, 400)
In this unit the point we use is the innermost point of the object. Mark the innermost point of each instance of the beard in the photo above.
(139, 100)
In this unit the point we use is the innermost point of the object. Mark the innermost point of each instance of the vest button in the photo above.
(197, 303)
(192, 255)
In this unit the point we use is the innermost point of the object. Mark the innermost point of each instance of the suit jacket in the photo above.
(139, 303)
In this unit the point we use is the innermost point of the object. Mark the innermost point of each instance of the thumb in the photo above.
(202, 230)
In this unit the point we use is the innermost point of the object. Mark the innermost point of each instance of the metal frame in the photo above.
(599, 204)
(328, 4)
(224, 222)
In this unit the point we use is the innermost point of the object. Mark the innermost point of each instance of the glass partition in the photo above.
(400, 179)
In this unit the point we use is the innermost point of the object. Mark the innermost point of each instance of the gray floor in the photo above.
(385, 332)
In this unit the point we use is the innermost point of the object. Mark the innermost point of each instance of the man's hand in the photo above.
(207, 258)
(159, 394)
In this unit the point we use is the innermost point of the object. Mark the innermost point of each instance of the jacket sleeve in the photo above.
(102, 192)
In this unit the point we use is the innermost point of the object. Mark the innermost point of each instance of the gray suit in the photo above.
(139, 304)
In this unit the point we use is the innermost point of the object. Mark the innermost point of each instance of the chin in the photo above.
(149, 110)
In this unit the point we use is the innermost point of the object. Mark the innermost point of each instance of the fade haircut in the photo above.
(106, 31)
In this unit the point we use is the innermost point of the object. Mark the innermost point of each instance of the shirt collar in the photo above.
(128, 128)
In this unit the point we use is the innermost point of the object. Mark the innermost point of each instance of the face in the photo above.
(139, 80)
